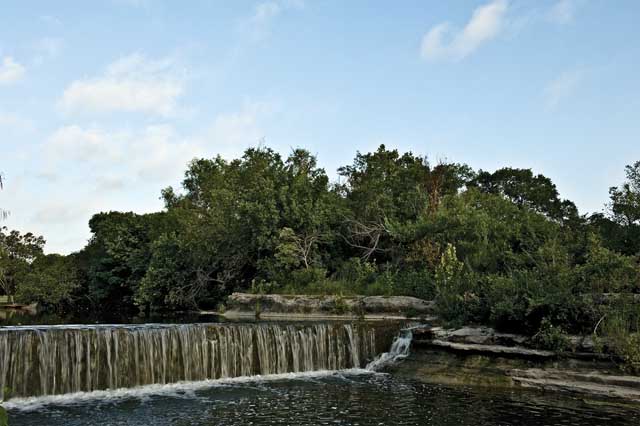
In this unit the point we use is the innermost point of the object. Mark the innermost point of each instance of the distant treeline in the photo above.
(497, 248)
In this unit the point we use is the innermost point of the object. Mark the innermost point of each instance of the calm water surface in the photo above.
(334, 399)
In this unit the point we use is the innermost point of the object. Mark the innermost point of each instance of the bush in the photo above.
(621, 331)
(552, 337)
(416, 283)
(457, 297)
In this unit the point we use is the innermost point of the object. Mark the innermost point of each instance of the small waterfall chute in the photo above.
(399, 350)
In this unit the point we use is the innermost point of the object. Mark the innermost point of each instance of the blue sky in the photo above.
(102, 104)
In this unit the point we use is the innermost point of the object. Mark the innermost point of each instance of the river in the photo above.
(249, 374)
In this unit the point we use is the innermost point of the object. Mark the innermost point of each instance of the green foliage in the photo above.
(552, 337)
(117, 257)
(53, 282)
(499, 248)
(524, 189)
(457, 299)
(620, 330)
(4, 417)
(625, 199)
(170, 280)
(628, 348)
(607, 271)
(340, 306)
(17, 253)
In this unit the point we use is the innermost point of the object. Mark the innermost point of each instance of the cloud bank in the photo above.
(131, 84)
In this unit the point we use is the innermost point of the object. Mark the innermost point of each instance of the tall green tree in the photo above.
(619, 227)
(625, 199)
(17, 253)
(525, 189)
(384, 188)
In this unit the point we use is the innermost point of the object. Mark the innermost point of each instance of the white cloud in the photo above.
(57, 212)
(153, 152)
(130, 84)
(562, 87)
(158, 153)
(444, 42)
(83, 169)
(10, 71)
(563, 11)
(110, 183)
(86, 145)
(258, 25)
(233, 132)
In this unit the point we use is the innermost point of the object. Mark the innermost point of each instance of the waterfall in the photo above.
(50, 360)
(399, 350)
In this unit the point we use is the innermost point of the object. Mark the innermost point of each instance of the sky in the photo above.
(104, 103)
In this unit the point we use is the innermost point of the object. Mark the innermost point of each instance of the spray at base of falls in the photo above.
(176, 390)
(399, 351)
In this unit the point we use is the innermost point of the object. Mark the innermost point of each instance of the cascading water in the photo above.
(51, 360)
(399, 350)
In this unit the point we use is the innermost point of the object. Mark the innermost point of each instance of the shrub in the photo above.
(457, 296)
(552, 337)
(621, 331)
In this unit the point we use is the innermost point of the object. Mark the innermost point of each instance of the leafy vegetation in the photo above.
(499, 248)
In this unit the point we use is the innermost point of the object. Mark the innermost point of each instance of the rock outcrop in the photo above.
(481, 356)
(279, 305)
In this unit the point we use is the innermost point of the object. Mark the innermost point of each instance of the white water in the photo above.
(399, 350)
(180, 389)
(44, 361)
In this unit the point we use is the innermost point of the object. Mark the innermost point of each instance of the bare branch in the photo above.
(366, 236)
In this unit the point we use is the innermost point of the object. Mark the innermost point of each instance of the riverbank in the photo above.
(479, 356)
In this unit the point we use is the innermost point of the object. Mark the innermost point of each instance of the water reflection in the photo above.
(338, 399)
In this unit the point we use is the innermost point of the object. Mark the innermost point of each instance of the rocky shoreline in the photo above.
(480, 356)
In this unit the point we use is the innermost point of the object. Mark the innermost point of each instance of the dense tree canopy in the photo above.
(491, 247)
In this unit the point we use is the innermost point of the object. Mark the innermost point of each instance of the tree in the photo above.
(625, 199)
(120, 252)
(385, 188)
(619, 228)
(175, 279)
(295, 250)
(236, 222)
(525, 189)
(52, 281)
(17, 253)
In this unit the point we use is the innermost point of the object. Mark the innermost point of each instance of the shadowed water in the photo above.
(355, 398)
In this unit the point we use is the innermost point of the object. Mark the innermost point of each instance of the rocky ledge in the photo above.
(306, 306)
(482, 356)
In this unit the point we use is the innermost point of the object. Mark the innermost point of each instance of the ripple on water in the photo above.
(327, 399)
